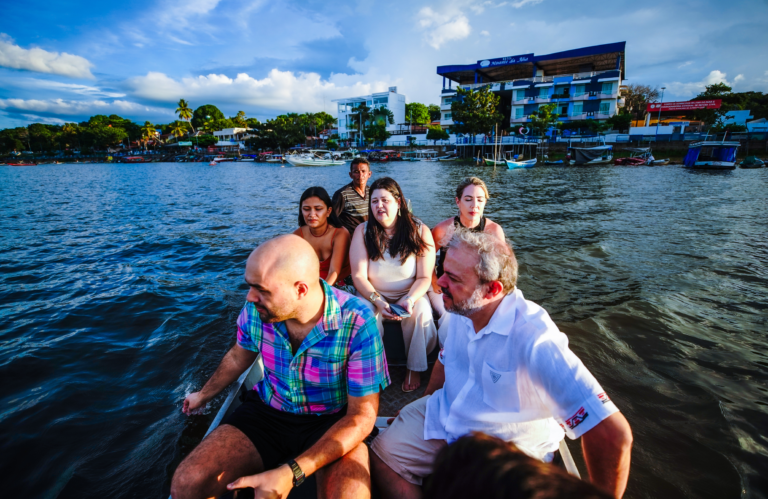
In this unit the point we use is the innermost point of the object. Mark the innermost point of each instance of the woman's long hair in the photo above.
(322, 194)
(406, 240)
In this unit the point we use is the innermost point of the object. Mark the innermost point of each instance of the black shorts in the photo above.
(277, 435)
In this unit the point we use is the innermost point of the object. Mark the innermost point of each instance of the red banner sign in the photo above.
(691, 105)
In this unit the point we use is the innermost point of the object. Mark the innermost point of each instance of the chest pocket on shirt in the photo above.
(324, 369)
(500, 389)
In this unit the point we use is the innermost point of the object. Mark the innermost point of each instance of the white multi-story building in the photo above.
(231, 137)
(347, 112)
(583, 83)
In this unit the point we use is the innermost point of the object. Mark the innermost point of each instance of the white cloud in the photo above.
(485, 33)
(75, 88)
(686, 63)
(77, 108)
(739, 78)
(522, 3)
(42, 61)
(691, 89)
(279, 90)
(440, 28)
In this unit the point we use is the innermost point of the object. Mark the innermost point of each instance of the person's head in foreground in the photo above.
(282, 274)
(478, 465)
(479, 269)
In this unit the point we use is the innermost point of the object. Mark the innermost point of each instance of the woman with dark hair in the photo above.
(392, 256)
(320, 228)
(471, 197)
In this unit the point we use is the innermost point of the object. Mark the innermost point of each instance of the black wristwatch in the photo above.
(298, 475)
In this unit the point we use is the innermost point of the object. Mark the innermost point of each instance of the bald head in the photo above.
(286, 258)
(284, 276)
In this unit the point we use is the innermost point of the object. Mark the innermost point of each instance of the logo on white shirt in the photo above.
(603, 397)
(495, 376)
(577, 418)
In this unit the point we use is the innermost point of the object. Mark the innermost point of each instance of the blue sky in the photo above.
(65, 61)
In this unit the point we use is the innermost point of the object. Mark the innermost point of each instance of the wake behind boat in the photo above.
(314, 157)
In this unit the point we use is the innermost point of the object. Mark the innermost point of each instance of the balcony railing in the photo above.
(541, 79)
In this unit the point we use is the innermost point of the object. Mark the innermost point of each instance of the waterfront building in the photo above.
(231, 138)
(347, 112)
(584, 83)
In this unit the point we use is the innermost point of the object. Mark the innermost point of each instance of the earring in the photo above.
(398, 212)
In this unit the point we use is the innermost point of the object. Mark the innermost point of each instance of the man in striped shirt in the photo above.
(324, 368)
(350, 203)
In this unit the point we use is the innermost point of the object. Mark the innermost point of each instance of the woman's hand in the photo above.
(383, 307)
(407, 303)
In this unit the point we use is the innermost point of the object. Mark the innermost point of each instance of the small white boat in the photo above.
(409, 156)
(529, 163)
(315, 157)
(426, 155)
(275, 158)
(222, 159)
(245, 160)
(710, 155)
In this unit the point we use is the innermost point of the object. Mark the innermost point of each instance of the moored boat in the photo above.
(315, 157)
(710, 155)
(597, 155)
(529, 163)
(752, 162)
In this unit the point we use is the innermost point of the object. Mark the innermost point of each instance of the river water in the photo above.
(120, 285)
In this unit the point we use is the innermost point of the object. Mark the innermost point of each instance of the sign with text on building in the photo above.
(505, 61)
(693, 105)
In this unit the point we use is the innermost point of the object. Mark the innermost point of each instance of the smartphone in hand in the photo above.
(398, 310)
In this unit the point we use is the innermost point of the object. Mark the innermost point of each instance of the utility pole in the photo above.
(658, 119)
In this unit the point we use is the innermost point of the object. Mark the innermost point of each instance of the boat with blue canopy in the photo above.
(711, 155)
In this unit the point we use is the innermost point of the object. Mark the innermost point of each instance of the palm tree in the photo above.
(148, 132)
(363, 114)
(384, 114)
(178, 128)
(185, 113)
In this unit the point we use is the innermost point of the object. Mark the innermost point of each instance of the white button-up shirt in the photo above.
(515, 379)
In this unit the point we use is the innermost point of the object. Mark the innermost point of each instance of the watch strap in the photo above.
(298, 475)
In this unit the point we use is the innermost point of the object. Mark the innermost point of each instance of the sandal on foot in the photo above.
(409, 382)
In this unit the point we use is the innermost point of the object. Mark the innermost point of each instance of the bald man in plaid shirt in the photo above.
(324, 368)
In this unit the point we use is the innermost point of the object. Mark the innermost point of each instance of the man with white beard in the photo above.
(506, 370)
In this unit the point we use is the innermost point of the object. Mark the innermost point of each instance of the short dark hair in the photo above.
(322, 194)
(359, 161)
(478, 465)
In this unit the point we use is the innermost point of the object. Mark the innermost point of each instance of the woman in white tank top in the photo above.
(392, 257)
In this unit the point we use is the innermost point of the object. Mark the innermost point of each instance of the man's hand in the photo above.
(193, 402)
(272, 484)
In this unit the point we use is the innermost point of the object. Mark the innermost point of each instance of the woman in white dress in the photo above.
(393, 257)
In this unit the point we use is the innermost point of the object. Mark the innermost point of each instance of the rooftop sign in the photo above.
(693, 105)
(505, 61)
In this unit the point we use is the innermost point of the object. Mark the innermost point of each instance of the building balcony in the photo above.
(445, 107)
(448, 122)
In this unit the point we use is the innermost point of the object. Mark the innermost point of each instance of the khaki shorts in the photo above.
(402, 446)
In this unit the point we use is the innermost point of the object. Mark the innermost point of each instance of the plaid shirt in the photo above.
(342, 355)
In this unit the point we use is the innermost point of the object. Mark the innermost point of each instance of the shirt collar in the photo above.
(501, 320)
(332, 312)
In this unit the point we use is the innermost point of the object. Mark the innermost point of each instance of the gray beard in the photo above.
(469, 306)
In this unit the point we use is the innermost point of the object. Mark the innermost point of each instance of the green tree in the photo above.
(475, 111)
(325, 120)
(620, 122)
(382, 115)
(417, 113)
(361, 117)
(148, 133)
(715, 116)
(544, 118)
(436, 133)
(240, 120)
(178, 128)
(434, 112)
(201, 115)
(184, 112)
(377, 133)
(252, 123)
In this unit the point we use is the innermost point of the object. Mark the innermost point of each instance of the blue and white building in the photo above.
(583, 83)
(347, 111)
